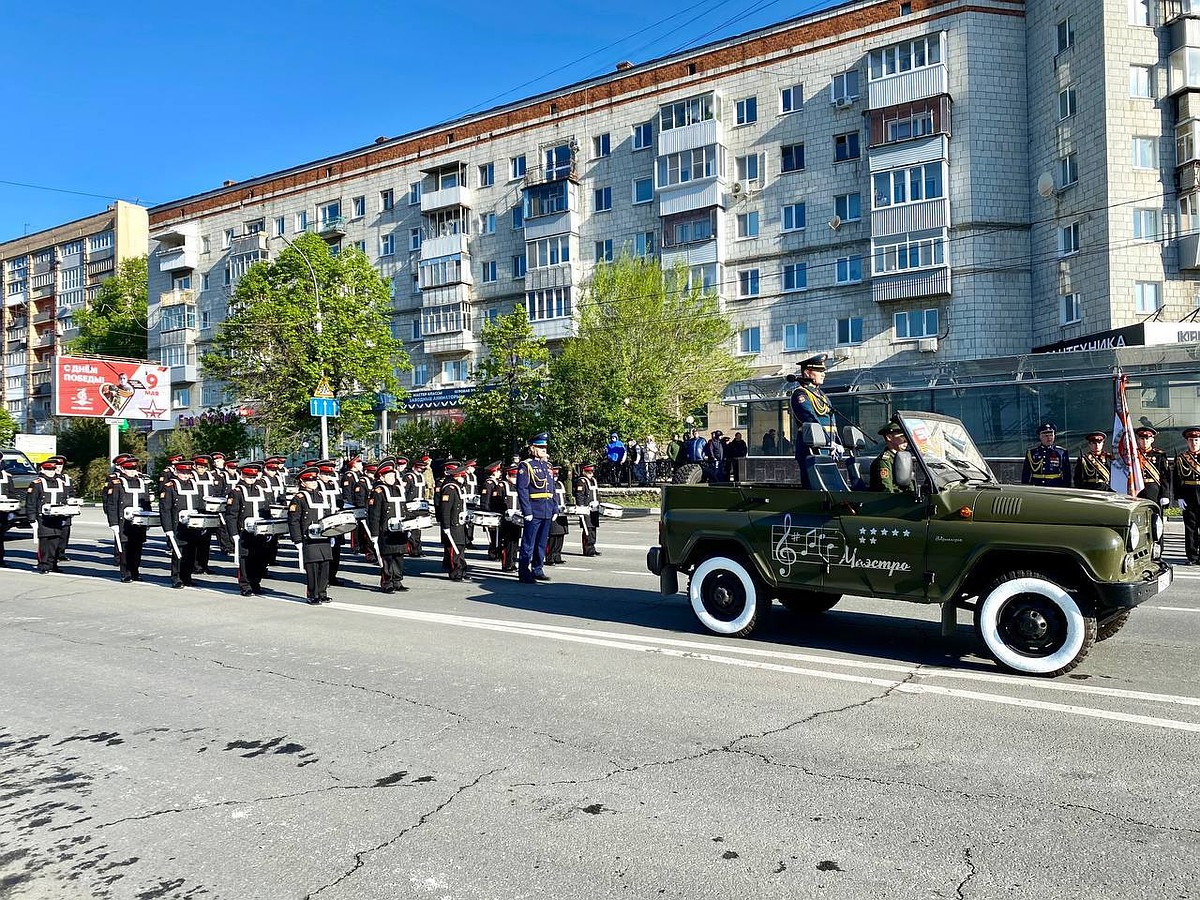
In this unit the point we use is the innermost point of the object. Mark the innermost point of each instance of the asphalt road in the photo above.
(582, 739)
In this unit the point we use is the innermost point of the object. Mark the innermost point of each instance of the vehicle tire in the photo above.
(1112, 626)
(807, 603)
(1032, 626)
(726, 597)
(688, 473)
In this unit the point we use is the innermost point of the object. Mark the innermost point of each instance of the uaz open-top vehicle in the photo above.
(1047, 571)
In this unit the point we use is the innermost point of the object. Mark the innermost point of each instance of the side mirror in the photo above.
(902, 469)
(812, 435)
(852, 438)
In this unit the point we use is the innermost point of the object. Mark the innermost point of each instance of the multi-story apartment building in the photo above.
(45, 277)
(902, 183)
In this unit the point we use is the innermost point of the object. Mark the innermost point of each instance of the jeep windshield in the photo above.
(946, 449)
(17, 465)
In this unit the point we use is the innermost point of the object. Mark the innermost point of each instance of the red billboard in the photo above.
(105, 388)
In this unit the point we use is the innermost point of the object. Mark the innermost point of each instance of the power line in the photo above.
(58, 190)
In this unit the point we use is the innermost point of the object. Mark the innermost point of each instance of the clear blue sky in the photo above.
(149, 102)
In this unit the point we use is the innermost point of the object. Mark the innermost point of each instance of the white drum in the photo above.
(214, 504)
(577, 510)
(266, 526)
(199, 520)
(396, 525)
(277, 511)
(7, 506)
(147, 518)
(61, 510)
(417, 507)
(482, 519)
(417, 523)
(332, 526)
(611, 511)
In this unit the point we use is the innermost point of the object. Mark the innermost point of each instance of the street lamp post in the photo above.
(317, 328)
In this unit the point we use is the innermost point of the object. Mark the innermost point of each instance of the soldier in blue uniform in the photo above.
(535, 493)
(1047, 464)
(810, 404)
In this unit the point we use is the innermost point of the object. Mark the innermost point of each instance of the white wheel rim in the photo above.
(989, 628)
(720, 626)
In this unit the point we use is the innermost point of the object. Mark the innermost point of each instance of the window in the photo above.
(917, 125)
(454, 370)
(689, 165)
(791, 99)
(1140, 12)
(416, 330)
(204, 244)
(205, 319)
(643, 135)
(518, 266)
(414, 193)
(173, 356)
(1069, 309)
(848, 269)
(907, 185)
(690, 228)
(601, 146)
(387, 200)
(602, 199)
(181, 315)
(850, 331)
(227, 235)
(905, 57)
(844, 87)
(559, 161)
(360, 246)
(1066, 103)
(747, 110)
(643, 190)
(795, 276)
(1146, 296)
(178, 282)
(552, 303)
(204, 282)
(917, 323)
(750, 340)
(748, 283)
(487, 175)
(440, 271)
(414, 239)
(549, 252)
(516, 167)
(1141, 81)
(794, 217)
(487, 223)
(98, 242)
(1066, 35)
(903, 255)
(748, 169)
(420, 375)
(1068, 239)
(1147, 224)
(845, 146)
(301, 223)
(795, 337)
(791, 158)
(686, 112)
(387, 244)
(73, 248)
(489, 271)
(518, 217)
(280, 225)
(703, 277)
(644, 243)
(1145, 153)
(747, 225)
(358, 207)
(546, 199)
(604, 250)
(848, 207)
(1068, 170)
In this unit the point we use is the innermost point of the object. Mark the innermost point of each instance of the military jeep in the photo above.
(1047, 572)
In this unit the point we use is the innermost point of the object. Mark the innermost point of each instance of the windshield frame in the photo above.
(925, 430)
(11, 459)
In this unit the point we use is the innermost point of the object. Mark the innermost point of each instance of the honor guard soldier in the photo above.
(275, 474)
(535, 490)
(128, 491)
(508, 536)
(587, 494)
(50, 532)
(490, 482)
(1047, 464)
(471, 496)
(181, 496)
(1155, 467)
(249, 498)
(809, 403)
(60, 468)
(1093, 469)
(883, 477)
(210, 489)
(558, 525)
(168, 471)
(307, 508)
(224, 476)
(385, 516)
(452, 517)
(1187, 491)
(415, 489)
(328, 480)
(355, 493)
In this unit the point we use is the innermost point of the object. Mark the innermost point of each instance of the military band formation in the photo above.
(377, 511)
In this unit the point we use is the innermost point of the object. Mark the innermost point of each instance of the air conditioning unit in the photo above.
(842, 102)
(928, 345)
(736, 188)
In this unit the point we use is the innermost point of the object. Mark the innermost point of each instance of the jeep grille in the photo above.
(1006, 507)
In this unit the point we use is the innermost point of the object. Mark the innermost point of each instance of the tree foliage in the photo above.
(114, 322)
(649, 350)
(278, 341)
(82, 440)
(208, 433)
(8, 428)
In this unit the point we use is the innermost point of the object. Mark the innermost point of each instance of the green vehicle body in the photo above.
(948, 541)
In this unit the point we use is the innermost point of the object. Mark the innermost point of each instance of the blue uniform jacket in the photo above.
(535, 489)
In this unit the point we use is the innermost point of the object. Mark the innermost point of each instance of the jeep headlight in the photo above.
(1135, 536)
(1157, 525)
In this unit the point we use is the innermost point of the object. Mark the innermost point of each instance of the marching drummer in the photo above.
(558, 525)
(249, 498)
(307, 508)
(587, 496)
(452, 517)
(332, 491)
(180, 499)
(49, 489)
(385, 519)
(128, 491)
(506, 502)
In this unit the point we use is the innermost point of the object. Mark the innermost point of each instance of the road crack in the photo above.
(961, 890)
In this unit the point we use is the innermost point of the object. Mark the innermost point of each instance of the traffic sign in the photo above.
(323, 389)
(324, 406)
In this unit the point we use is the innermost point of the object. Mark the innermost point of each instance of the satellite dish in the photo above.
(835, 223)
(1045, 184)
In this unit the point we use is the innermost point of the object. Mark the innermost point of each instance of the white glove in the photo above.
(529, 518)
(1164, 502)
(1182, 503)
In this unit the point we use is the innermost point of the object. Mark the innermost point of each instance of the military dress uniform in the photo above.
(414, 490)
(275, 476)
(49, 489)
(60, 463)
(558, 525)
(211, 488)
(355, 494)
(535, 492)
(452, 517)
(809, 403)
(1186, 484)
(508, 536)
(249, 498)
(128, 491)
(182, 495)
(883, 476)
(223, 479)
(308, 507)
(587, 494)
(332, 501)
(384, 505)
(1093, 471)
(1046, 466)
(486, 491)
(1156, 471)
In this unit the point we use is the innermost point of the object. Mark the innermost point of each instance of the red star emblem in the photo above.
(152, 411)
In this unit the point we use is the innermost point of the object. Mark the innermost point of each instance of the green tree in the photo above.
(278, 341)
(511, 385)
(649, 350)
(8, 428)
(114, 322)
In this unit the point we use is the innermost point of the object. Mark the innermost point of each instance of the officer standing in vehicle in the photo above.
(1187, 491)
(587, 494)
(249, 498)
(49, 489)
(386, 505)
(809, 403)
(128, 491)
(452, 516)
(1156, 469)
(181, 496)
(535, 492)
(883, 469)
(308, 507)
(1047, 464)
(1093, 468)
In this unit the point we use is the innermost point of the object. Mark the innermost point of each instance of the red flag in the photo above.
(1126, 473)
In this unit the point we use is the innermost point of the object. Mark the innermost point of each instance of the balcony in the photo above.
(567, 170)
(443, 245)
(99, 266)
(911, 285)
(690, 137)
(692, 195)
(17, 299)
(251, 243)
(457, 342)
(174, 298)
(45, 339)
(43, 317)
(908, 87)
(1189, 250)
(538, 227)
(176, 259)
(560, 275)
(902, 218)
(555, 329)
(42, 390)
(186, 374)
(333, 228)
(460, 195)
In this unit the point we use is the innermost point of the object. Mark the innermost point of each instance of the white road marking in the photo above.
(678, 649)
(647, 574)
(605, 545)
(1173, 608)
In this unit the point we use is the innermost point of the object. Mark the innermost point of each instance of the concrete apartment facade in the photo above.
(901, 183)
(44, 278)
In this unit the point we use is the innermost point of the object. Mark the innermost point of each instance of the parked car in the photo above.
(18, 465)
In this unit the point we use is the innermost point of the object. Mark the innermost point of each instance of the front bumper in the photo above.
(1127, 595)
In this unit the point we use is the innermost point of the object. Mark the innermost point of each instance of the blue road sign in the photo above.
(324, 406)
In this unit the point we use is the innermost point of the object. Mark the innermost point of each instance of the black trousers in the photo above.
(336, 562)
(1191, 530)
(589, 535)
(414, 543)
(362, 543)
(203, 545)
(554, 548)
(183, 564)
(510, 546)
(253, 557)
(129, 557)
(51, 548)
(455, 544)
(316, 579)
(391, 570)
